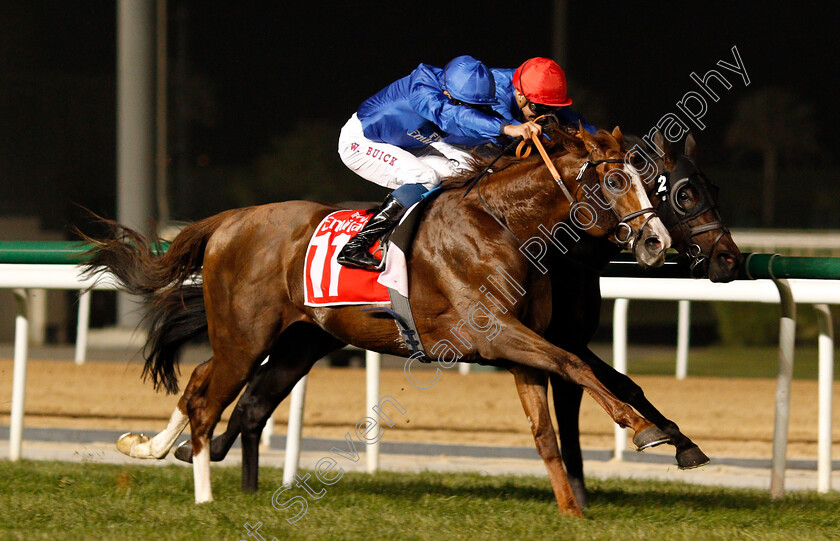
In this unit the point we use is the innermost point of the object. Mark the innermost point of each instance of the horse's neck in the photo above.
(526, 198)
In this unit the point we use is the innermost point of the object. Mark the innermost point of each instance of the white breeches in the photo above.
(391, 166)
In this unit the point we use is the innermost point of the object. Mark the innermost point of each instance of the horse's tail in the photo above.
(174, 319)
(176, 309)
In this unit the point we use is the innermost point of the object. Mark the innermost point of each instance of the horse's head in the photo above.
(598, 192)
(622, 189)
(687, 203)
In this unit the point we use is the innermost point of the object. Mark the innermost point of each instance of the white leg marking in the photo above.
(159, 446)
(201, 474)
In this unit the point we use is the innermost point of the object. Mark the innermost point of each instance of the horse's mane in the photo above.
(562, 140)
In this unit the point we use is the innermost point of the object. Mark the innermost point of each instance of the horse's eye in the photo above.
(683, 196)
(611, 183)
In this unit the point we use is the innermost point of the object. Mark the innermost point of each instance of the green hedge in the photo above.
(756, 324)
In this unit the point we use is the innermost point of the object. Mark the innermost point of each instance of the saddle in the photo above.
(395, 276)
(326, 283)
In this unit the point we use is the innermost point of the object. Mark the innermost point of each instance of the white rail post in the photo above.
(293, 436)
(826, 379)
(373, 362)
(37, 316)
(683, 330)
(620, 363)
(787, 339)
(82, 326)
(268, 431)
(19, 377)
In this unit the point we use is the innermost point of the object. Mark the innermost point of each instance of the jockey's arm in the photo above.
(524, 130)
(428, 100)
(568, 116)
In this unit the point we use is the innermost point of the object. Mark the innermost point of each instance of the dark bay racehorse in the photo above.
(251, 263)
(689, 209)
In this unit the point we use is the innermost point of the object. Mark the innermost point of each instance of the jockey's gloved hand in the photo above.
(524, 130)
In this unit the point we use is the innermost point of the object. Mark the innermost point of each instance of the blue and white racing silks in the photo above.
(413, 112)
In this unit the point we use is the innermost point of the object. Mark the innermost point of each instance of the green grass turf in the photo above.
(729, 362)
(53, 500)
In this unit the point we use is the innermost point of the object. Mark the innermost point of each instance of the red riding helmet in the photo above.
(542, 81)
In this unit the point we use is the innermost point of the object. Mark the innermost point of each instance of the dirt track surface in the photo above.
(726, 417)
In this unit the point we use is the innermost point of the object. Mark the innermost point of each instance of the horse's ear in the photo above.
(664, 145)
(619, 137)
(589, 141)
(690, 146)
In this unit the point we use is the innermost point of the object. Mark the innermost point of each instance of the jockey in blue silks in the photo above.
(419, 130)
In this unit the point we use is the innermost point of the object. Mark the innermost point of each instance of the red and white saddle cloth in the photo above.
(327, 283)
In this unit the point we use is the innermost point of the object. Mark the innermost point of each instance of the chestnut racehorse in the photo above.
(688, 208)
(251, 263)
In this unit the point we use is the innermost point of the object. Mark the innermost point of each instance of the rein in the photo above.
(523, 150)
(623, 224)
(487, 170)
(535, 139)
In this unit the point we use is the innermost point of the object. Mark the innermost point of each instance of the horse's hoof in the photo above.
(184, 452)
(579, 490)
(127, 441)
(571, 510)
(650, 437)
(691, 458)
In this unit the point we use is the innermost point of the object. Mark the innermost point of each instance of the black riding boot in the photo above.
(356, 253)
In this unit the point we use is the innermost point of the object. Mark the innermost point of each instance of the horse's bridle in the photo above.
(623, 224)
(668, 192)
(523, 151)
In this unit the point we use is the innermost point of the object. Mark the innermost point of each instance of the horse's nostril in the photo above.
(727, 258)
(653, 243)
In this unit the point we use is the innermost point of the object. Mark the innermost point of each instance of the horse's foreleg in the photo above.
(567, 397)
(532, 386)
(520, 345)
(687, 453)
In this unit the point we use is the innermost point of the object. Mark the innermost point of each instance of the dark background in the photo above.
(259, 91)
